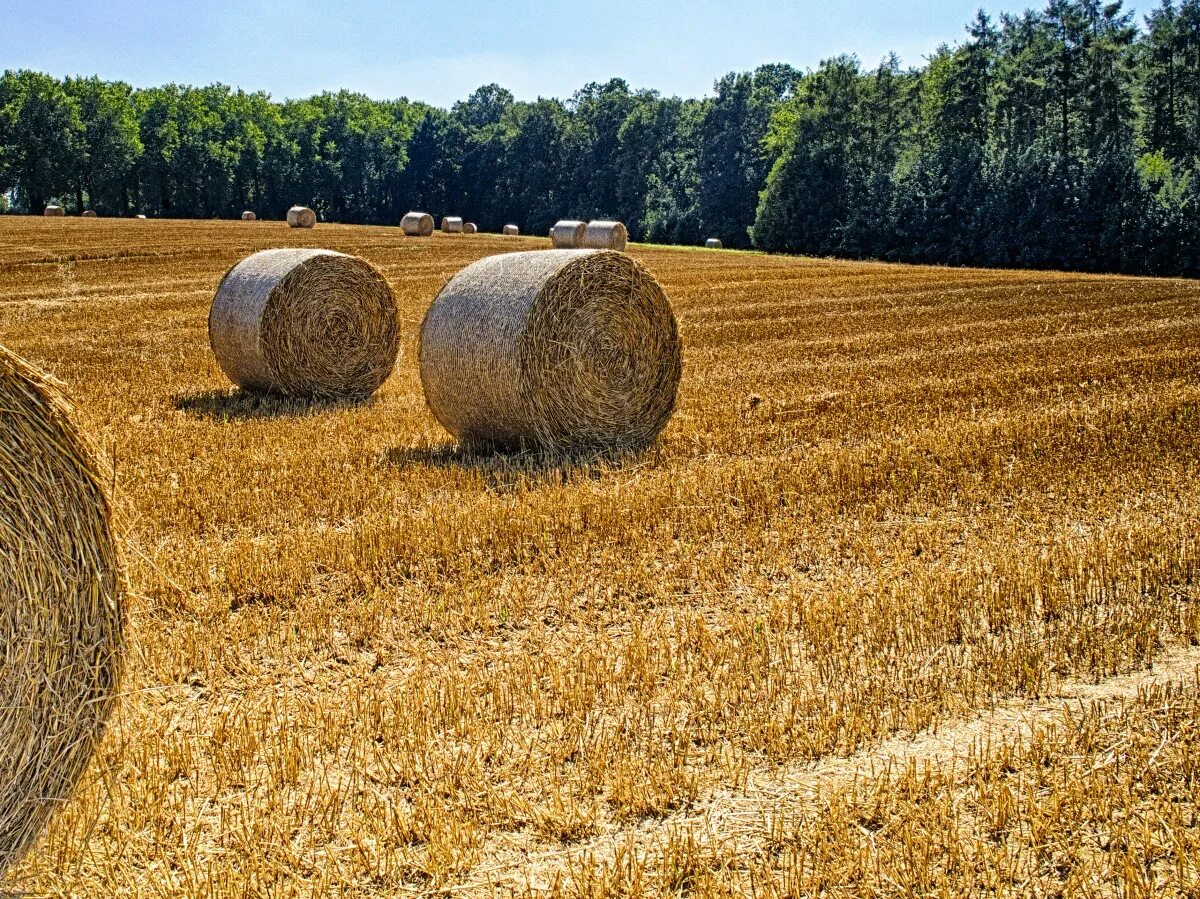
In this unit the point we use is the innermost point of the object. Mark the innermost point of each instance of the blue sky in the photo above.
(439, 51)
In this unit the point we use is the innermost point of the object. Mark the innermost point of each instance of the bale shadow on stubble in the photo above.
(507, 470)
(238, 404)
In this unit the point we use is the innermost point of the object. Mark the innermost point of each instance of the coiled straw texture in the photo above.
(305, 323)
(605, 236)
(568, 235)
(557, 350)
(417, 224)
(60, 606)
(301, 217)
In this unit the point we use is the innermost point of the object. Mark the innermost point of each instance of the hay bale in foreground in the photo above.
(249, 216)
(61, 605)
(470, 228)
(305, 323)
(568, 234)
(560, 350)
(301, 217)
(452, 224)
(605, 236)
(713, 244)
(417, 224)
(89, 213)
(511, 231)
(54, 211)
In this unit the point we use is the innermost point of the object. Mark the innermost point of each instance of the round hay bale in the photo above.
(605, 236)
(511, 231)
(141, 216)
(452, 224)
(89, 213)
(61, 605)
(301, 217)
(713, 244)
(305, 323)
(470, 228)
(54, 211)
(417, 224)
(249, 216)
(559, 350)
(568, 234)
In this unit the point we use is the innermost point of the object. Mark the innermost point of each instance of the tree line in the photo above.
(1065, 138)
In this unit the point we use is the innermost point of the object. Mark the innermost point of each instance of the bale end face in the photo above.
(305, 323)
(470, 228)
(61, 609)
(301, 217)
(559, 350)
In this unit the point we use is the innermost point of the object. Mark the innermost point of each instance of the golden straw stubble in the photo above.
(559, 350)
(61, 610)
(305, 322)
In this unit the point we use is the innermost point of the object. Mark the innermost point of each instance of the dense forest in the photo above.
(1066, 138)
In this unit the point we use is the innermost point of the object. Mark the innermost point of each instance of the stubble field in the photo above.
(903, 602)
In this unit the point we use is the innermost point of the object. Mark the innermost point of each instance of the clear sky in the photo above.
(440, 50)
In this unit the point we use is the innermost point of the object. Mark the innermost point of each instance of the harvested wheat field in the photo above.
(903, 601)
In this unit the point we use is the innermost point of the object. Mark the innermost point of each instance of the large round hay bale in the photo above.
(560, 350)
(605, 236)
(713, 244)
(61, 602)
(568, 234)
(301, 217)
(511, 231)
(470, 228)
(305, 323)
(89, 213)
(417, 224)
(54, 211)
(249, 216)
(452, 224)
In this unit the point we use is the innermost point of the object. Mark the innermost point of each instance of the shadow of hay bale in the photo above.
(508, 471)
(237, 404)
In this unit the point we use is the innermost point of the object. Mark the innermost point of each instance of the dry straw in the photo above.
(511, 231)
(417, 224)
(305, 323)
(301, 217)
(714, 244)
(605, 236)
(60, 609)
(53, 210)
(89, 213)
(249, 216)
(452, 224)
(470, 228)
(568, 234)
(560, 350)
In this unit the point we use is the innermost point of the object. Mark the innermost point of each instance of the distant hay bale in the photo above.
(305, 323)
(714, 244)
(511, 231)
(89, 213)
(301, 217)
(54, 211)
(452, 224)
(568, 234)
(560, 350)
(61, 605)
(417, 224)
(470, 228)
(141, 216)
(249, 216)
(605, 236)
